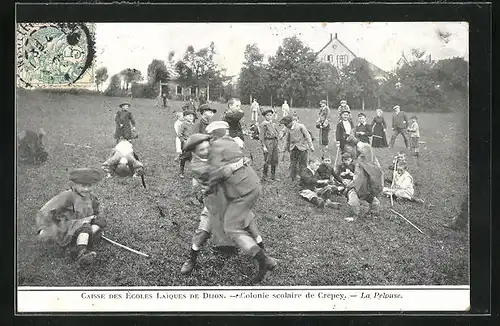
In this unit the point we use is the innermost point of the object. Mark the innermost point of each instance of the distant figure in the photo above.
(233, 116)
(343, 107)
(379, 128)
(165, 100)
(30, 147)
(414, 131)
(399, 124)
(269, 140)
(285, 109)
(323, 124)
(343, 131)
(298, 142)
(363, 131)
(125, 123)
(255, 110)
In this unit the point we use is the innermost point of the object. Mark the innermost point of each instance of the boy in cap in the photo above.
(343, 107)
(186, 130)
(314, 189)
(125, 123)
(30, 147)
(363, 131)
(123, 161)
(399, 124)
(206, 116)
(242, 189)
(233, 116)
(346, 168)
(323, 124)
(367, 182)
(72, 217)
(344, 129)
(297, 141)
(269, 134)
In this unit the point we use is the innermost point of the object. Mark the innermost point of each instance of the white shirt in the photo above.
(124, 148)
(347, 126)
(255, 106)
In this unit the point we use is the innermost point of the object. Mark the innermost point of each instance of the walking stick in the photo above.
(392, 184)
(124, 247)
(407, 221)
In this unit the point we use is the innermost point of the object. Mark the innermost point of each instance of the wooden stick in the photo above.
(407, 221)
(393, 178)
(125, 247)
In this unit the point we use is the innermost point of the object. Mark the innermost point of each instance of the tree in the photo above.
(358, 81)
(131, 76)
(252, 74)
(294, 70)
(157, 72)
(114, 87)
(101, 75)
(198, 68)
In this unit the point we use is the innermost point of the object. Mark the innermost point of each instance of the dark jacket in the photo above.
(233, 120)
(365, 138)
(201, 125)
(342, 167)
(308, 180)
(326, 171)
(340, 133)
(399, 121)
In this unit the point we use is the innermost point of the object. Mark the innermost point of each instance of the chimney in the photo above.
(331, 37)
(335, 35)
(429, 58)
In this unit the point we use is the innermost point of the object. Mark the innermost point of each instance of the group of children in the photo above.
(228, 185)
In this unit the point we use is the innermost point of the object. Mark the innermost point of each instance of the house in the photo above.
(338, 54)
(177, 89)
(413, 56)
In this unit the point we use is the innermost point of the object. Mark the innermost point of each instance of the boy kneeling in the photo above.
(72, 217)
(314, 190)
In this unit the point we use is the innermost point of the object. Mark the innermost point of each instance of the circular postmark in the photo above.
(55, 54)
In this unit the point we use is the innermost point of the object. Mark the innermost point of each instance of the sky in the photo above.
(135, 45)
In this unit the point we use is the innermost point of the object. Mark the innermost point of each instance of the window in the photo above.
(341, 60)
(178, 90)
(329, 58)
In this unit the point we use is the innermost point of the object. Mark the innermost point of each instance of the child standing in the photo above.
(125, 123)
(186, 130)
(177, 128)
(363, 131)
(414, 132)
(403, 185)
(269, 140)
(72, 217)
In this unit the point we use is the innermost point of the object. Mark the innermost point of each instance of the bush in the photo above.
(72, 91)
(145, 91)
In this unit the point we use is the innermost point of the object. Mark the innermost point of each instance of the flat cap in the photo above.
(345, 110)
(396, 107)
(286, 120)
(123, 104)
(86, 176)
(206, 107)
(322, 102)
(266, 111)
(194, 140)
(343, 102)
(216, 125)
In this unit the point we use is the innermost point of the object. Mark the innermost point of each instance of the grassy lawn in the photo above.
(313, 246)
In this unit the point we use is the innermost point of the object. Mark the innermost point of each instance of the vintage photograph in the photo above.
(242, 154)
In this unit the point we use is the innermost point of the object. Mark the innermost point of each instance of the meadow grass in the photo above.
(313, 246)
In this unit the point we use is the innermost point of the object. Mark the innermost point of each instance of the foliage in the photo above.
(115, 86)
(157, 72)
(101, 75)
(252, 74)
(144, 91)
(131, 76)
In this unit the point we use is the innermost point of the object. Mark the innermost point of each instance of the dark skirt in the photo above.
(271, 157)
(323, 136)
(379, 138)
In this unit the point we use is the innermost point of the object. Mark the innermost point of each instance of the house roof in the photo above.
(330, 42)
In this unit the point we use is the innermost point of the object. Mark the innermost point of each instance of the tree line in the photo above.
(295, 74)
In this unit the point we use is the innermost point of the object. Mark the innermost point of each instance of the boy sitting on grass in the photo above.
(72, 217)
(403, 185)
(327, 172)
(345, 170)
(314, 190)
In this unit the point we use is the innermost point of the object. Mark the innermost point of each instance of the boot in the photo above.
(84, 256)
(264, 172)
(190, 263)
(273, 173)
(266, 263)
(319, 202)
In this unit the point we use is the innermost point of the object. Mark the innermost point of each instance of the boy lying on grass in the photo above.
(403, 185)
(315, 190)
(124, 162)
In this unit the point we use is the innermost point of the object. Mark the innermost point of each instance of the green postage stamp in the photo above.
(55, 54)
